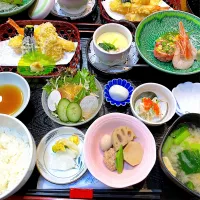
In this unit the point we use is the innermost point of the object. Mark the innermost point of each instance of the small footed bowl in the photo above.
(116, 58)
(187, 96)
(123, 83)
(163, 93)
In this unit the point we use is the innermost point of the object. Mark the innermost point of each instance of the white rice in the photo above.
(173, 157)
(14, 158)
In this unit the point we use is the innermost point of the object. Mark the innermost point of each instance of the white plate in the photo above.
(118, 16)
(187, 97)
(59, 12)
(44, 153)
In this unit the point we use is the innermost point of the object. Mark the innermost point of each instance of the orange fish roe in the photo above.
(148, 104)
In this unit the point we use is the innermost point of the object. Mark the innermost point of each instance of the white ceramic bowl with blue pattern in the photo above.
(45, 154)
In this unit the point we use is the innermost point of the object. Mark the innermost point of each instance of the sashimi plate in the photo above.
(45, 157)
(157, 24)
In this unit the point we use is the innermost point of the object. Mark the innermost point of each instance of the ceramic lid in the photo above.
(41, 9)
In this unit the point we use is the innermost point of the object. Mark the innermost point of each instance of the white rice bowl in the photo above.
(17, 155)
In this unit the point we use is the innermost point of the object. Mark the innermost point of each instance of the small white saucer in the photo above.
(59, 12)
(132, 59)
(187, 97)
(44, 153)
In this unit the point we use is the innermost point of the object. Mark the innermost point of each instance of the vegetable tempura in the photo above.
(136, 10)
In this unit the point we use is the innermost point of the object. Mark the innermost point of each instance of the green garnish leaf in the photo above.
(28, 59)
(82, 77)
(107, 46)
(189, 161)
(80, 95)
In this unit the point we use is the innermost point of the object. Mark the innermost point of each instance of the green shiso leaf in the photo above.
(27, 59)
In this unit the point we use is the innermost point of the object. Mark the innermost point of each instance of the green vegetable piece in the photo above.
(107, 46)
(18, 2)
(189, 161)
(167, 145)
(62, 108)
(190, 185)
(180, 138)
(194, 146)
(80, 95)
(120, 160)
(74, 112)
(178, 131)
(198, 55)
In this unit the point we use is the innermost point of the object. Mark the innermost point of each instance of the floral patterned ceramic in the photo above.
(187, 97)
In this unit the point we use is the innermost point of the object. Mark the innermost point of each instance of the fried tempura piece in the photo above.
(49, 42)
(155, 2)
(16, 43)
(135, 17)
(67, 45)
(45, 30)
(146, 2)
(141, 2)
(126, 8)
(51, 47)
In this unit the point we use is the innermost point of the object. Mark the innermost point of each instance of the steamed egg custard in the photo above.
(112, 42)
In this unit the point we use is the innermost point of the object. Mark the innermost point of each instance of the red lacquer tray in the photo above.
(175, 4)
(64, 29)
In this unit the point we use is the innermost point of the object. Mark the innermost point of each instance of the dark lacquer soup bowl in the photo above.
(180, 140)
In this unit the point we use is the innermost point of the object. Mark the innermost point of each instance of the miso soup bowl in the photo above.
(193, 119)
(112, 58)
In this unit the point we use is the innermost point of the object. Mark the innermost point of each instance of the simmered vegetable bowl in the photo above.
(72, 100)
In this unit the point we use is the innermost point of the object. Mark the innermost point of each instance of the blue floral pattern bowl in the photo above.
(121, 82)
